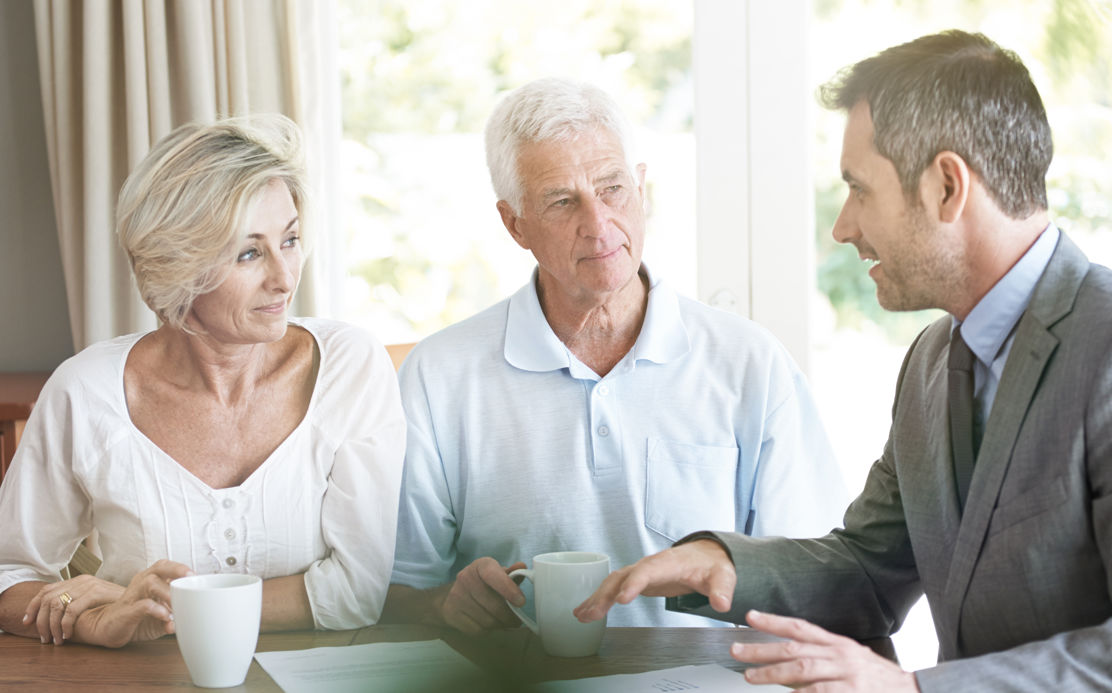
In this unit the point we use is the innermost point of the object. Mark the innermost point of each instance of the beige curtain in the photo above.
(117, 75)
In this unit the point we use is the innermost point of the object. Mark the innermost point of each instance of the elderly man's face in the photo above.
(249, 306)
(582, 215)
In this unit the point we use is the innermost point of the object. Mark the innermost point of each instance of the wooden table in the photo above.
(18, 392)
(513, 658)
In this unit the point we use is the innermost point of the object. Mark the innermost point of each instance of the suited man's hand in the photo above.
(701, 566)
(814, 659)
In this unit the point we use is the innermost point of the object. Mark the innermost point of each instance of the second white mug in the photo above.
(562, 581)
(217, 619)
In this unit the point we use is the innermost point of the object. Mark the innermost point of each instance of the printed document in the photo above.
(384, 667)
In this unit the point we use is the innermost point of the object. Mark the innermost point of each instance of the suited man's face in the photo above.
(911, 259)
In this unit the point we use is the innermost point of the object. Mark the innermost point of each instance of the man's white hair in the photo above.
(544, 110)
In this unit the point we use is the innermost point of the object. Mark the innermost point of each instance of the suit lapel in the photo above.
(1034, 345)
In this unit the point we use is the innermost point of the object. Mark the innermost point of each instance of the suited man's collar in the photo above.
(1057, 289)
(992, 320)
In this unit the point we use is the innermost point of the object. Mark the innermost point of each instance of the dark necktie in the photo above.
(961, 413)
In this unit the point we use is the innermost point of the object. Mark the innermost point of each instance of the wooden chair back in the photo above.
(398, 352)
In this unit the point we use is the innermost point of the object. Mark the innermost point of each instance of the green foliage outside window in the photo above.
(416, 68)
(1068, 49)
(419, 78)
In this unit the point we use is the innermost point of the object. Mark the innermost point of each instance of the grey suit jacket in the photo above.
(1020, 587)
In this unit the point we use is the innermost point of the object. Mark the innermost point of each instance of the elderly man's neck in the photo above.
(601, 330)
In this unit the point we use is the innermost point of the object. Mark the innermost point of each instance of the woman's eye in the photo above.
(249, 254)
(291, 241)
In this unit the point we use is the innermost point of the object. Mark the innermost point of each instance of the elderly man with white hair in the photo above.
(595, 409)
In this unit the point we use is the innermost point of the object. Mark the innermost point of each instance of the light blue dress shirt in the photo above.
(989, 329)
(517, 448)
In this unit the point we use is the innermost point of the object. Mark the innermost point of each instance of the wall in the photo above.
(34, 324)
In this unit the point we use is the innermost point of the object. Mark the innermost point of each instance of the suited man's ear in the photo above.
(952, 178)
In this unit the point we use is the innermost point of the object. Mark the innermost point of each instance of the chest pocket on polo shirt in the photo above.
(689, 487)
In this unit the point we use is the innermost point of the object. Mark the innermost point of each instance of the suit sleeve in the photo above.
(859, 581)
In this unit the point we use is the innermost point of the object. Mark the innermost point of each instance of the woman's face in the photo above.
(250, 306)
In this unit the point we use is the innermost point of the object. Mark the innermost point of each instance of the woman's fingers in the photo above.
(141, 610)
(93, 593)
(154, 582)
(48, 621)
(57, 606)
(145, 619)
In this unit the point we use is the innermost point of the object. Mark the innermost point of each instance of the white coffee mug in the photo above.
(562, 581)
(216, 618)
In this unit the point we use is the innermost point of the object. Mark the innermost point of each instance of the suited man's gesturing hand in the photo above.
(701, 566)
(814, 659)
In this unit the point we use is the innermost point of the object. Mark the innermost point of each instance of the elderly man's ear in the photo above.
(510, 220)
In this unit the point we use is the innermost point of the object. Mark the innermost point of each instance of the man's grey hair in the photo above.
(546, 110)
(957, 92)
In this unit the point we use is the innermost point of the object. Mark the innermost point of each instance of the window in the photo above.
(424, 243)
(721, 90)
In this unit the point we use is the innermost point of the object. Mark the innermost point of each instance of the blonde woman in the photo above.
(231, 439)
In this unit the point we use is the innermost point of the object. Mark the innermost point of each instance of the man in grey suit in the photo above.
(994, 492)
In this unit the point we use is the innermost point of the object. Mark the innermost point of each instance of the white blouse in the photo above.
(324, 503)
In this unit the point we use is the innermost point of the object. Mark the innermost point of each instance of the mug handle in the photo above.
(529, 623)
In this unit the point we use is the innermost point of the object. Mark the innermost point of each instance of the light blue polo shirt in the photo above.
(516, 448)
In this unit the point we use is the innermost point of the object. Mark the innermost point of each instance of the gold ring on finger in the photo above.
(65, 598)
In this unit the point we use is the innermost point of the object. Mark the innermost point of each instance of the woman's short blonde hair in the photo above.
(182, 213)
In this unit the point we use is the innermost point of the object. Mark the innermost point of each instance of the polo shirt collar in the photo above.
(531, 344)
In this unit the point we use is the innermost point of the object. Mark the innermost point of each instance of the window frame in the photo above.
(754, 197)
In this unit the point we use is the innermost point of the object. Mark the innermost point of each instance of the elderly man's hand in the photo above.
(476, 600)
(699, 566)
(814, 659)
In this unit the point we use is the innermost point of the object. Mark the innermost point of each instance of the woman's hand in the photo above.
(58, 604)
(142, 612)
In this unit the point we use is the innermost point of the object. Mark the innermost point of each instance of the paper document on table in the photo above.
(383, 667)
(710, 678)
